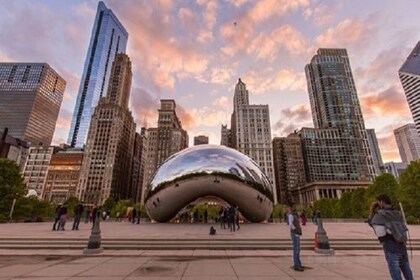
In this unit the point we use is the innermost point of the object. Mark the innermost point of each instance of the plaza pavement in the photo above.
(191, 264)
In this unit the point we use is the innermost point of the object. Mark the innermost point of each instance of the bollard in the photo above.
(94, 244)
(322, 245)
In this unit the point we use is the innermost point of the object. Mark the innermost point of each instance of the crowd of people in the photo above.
(229, 216)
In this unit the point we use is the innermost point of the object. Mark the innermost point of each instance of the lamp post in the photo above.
(322, 244)
(94, 244)
(10, 219)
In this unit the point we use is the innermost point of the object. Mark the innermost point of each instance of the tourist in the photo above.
(78, 211)
(232, 218)
(237, 217)
(87, 216)
(63, 217)
(206, 216)
(295, 233)
(221, 218)
(303, 218)
(134, 215)
(57, 214)
(391, 231)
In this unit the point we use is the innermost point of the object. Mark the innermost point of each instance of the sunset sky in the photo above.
(195, 51)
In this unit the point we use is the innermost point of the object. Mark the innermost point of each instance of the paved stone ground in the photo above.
(190, 231)
(191, 264)
(343, 266)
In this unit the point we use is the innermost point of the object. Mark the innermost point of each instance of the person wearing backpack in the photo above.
(391, 231)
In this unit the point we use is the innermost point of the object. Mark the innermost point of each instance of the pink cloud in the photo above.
(348, 32)
(267, 46)
(391, 101)
(293, 118)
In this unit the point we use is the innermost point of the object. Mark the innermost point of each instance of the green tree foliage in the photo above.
(109, 204)
(278, 211)
(122, 206)
(384, 183)
(11, 185)
(343, 206)
(409, 190)
(32, 209)
(327, 207)
(71, 203)
(358, 203)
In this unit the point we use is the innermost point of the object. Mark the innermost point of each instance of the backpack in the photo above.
(395, 225)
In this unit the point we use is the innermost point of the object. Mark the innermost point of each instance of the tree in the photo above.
(122, 206)
(11, 184)
(71, 203)
(343, 206)
(409, 189)
(327, 207)
(358, 203)
(383, 184)
(109, 204)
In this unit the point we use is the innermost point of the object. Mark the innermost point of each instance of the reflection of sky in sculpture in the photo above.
(209, 159)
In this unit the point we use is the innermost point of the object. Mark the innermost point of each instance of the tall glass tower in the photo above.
(410, 79)
(108, 38)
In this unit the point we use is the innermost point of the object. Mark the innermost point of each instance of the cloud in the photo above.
(239, 33)
(347, 33)
(293, 118)
(210, 12)
(269, 81)
(323, 14)
(144, 107)
(223, 103)
(267, 46)
(237, 3)
(391, 101)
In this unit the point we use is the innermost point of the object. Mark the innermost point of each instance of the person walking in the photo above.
(303, 217)
(78, 212)
(134, 215)
(87, 216)
(63, 217)
(391, 231)
(295, 233)
(232, 218)
(57, 215)
(237, 217)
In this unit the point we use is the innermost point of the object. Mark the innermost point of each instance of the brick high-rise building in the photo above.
(164, 140)
(201, 140)
(107, 164)
(251, 132)
(30, 100)
(63, 175)
(36, 167)
(289, 168)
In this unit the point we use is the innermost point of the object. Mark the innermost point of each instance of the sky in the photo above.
(194, 51)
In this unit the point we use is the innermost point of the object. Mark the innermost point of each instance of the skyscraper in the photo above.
(336, 151)
(138, 165)
(410, 79)
(30, 100)
(375, 151)
(226, 136)
(201, 140)
(289, 168)
(63, 175)
(251, 131)
(164, 140)
(107, 163)
(408, 142)
(108, 38)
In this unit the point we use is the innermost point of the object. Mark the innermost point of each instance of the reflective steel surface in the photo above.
(209, 170)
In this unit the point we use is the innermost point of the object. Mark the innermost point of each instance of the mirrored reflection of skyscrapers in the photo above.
(30, 100)
(410, 79)
(108, 38)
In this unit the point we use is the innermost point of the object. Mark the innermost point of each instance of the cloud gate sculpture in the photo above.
(209, 171)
